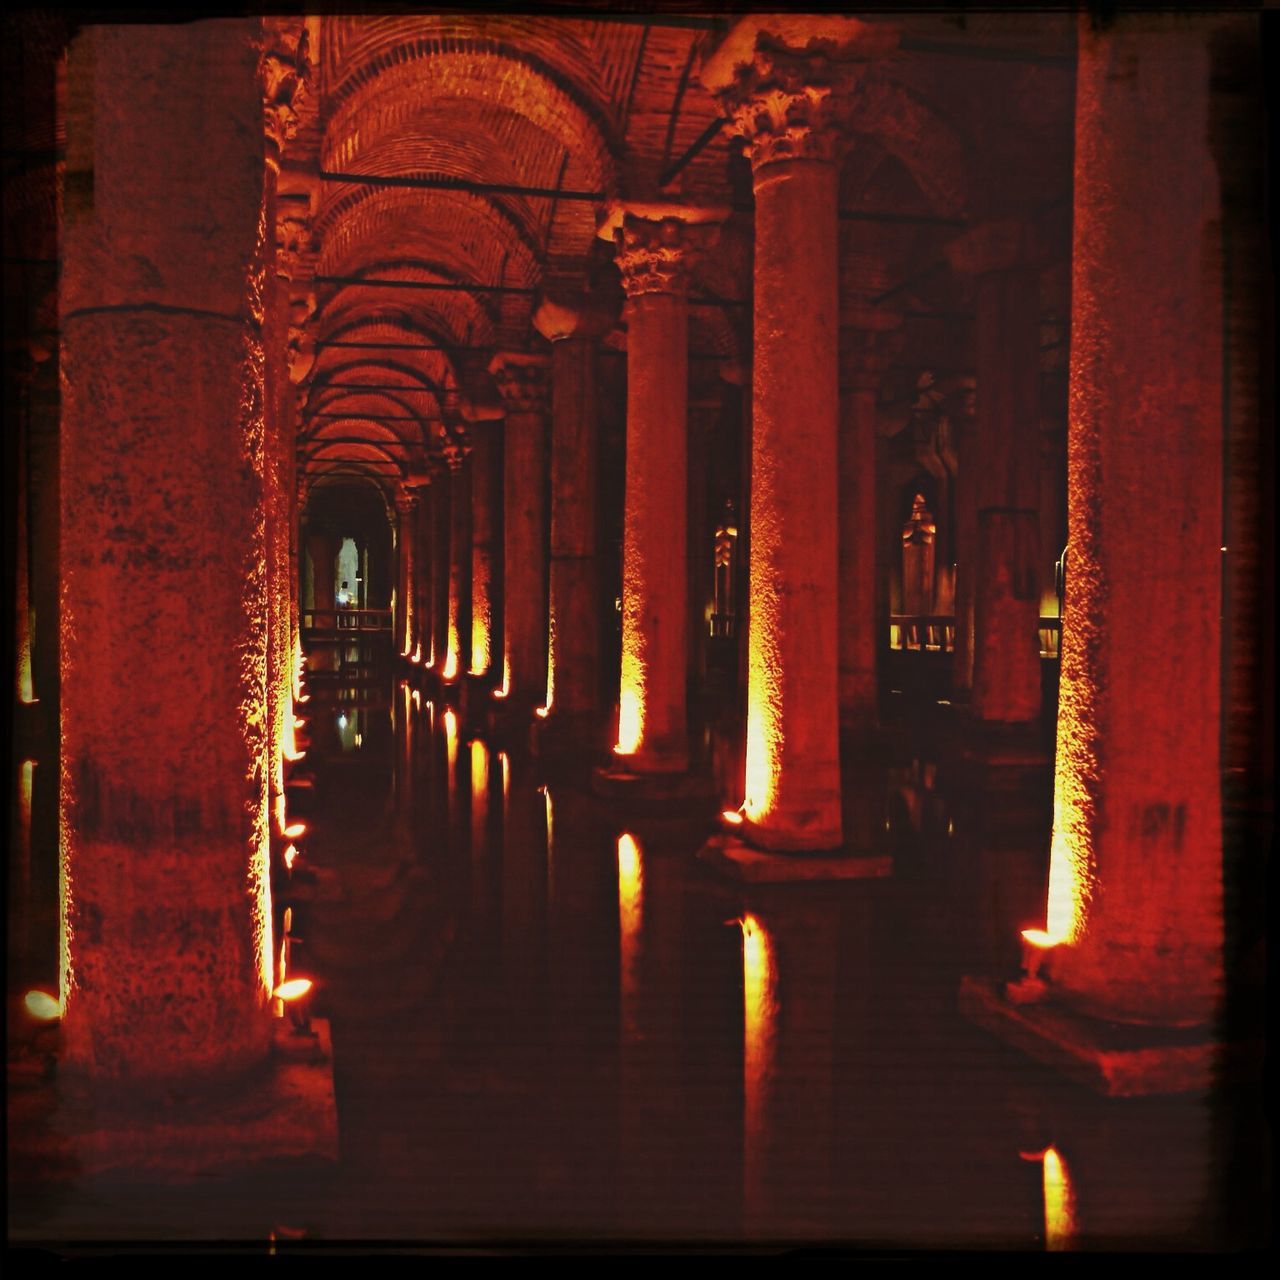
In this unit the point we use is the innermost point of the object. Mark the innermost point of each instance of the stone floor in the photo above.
(552, 1023)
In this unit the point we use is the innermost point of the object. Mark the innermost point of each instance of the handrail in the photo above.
(936, 633)
(346, 620)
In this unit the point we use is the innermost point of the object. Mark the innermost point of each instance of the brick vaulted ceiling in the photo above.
(523, 126)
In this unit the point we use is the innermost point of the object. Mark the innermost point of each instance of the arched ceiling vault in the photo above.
(462, 162)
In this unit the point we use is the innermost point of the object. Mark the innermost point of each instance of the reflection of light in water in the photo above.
(417, 698)
(505, 764)
(290, 855)
(546, 795)
(630, 915)
(1059, 1204)
(26, 777)
(451, 754)
(342, 722)
(479, 795)
(759, 980)
(42, 1006)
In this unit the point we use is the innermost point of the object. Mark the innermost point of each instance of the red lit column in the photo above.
(865, 357)
(424, 559)
(486, 551)
(1005, 584)
(441, 522)
(407, 578)
(784, 103)
(573, 660)
(458, 652)
(323, 549)
(1135, 894)
(167, 950)
(655, 246)
(522, 383)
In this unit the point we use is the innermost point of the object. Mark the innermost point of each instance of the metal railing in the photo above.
(345, 621)
(936, 633)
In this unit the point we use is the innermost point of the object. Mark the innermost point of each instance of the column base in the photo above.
(735, 858)
(289, 1114)
(616, 783)
(1113, 1059)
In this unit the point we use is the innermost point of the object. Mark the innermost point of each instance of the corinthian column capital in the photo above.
(787, 83)
(657, 244)
(521, 380)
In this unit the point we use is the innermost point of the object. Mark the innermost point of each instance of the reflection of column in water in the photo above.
(451, 762)
(20, 901)
(524, 902)
(1059, 1203)
(759, 1010)
(789, 961)
(479, 826)
(630, 914)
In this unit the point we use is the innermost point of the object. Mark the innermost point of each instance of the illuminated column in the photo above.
(424, 561)
(1006, 476)
(864, 359)
(704, 413)
(458, 650)
(1135, 889)
(655, 247)
(323, 549)
(522, 382)
(784, 103)
(407, 578)
(167, 949)
(573, 666)
(441, 522)
(486, 557)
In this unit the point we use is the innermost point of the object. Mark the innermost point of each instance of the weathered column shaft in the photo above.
(1135, 895)
(424, 559)
(521, 381)
(166, 970)
(441, 541)
(323, 549)
(458, 654)
(573, 678)
(407, 582)
(1006, 658)
(486, 499)
(859, 637)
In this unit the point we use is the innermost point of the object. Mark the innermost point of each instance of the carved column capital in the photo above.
(867, 352)
(521, 380)
(787, 84)
(658, 244)
(283, 71)
(406, 502)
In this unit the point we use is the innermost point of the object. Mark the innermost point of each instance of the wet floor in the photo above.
(551, 1022)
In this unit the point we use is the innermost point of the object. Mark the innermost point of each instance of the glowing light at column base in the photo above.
(42, 1006)
(630, 720)
(732, 816)
(450, 664)
(505, 688)
(417, 654)
(294, 989)
(480, 655)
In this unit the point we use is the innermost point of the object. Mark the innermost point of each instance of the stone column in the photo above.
(323, 549)
(704, 412)
(656, 244)
(458, 650)
(486, 551)
(864, 359)
(441, 522)
(784, 103)
(573, 659)
(1135, 891)
(1006, 478)
(522, 382)
(424, 561)
(166, 942)
(407, 578)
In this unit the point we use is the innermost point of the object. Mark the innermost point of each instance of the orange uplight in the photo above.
(294, 989)
(480, 653)
(1040, 938)
(506, 679)
(542, 712)
(290, 855)
(42, 1006)
(630, 718)
(1059, 1204)
(731, 816)
(417, 653)
(295, 830)
(450, 660)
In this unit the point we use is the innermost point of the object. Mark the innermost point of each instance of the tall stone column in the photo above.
(166, 941)
(864, 358)
(784, 102)
(704, 412)
(458, 651)
(424, 560)
(1006, 480)
(407, 578)
(441, 542)
(574, 617)
(1135, 889)
(323, 549)
(522, 383)
(656, 244)
(486, 549)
